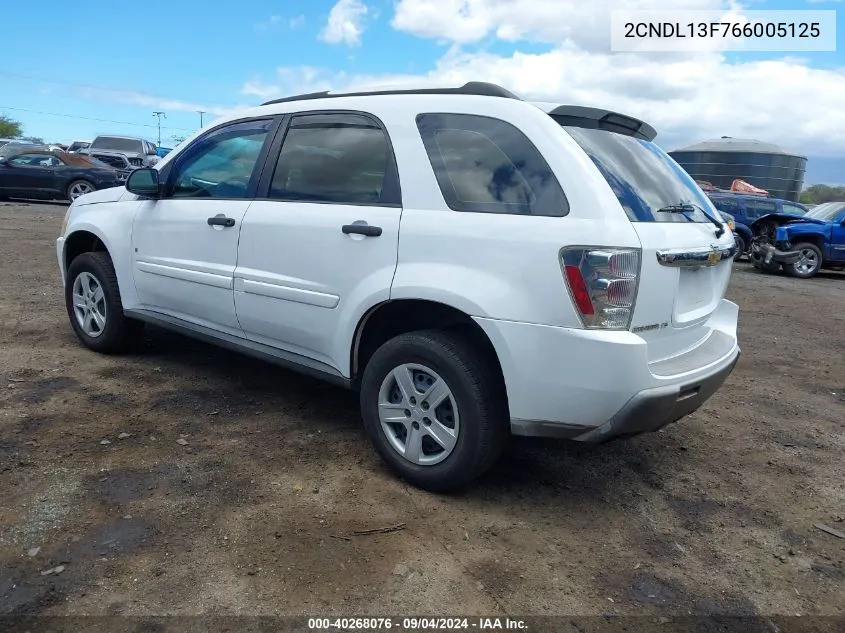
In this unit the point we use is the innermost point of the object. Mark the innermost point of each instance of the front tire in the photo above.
(741, 247)
(92, 298)
(434, 409)
(810, 262)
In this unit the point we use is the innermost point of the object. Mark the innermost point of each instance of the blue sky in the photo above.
(82, 69)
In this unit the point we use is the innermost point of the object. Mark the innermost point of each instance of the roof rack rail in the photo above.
(600, 119)
(479, 88)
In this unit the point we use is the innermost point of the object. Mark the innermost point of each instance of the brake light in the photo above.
(579, 290)
(603, 284)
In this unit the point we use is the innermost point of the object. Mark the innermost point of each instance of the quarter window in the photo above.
(341, 159)
(486, 165)
(222, 163)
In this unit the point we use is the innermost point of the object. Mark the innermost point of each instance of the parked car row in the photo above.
(49, 174)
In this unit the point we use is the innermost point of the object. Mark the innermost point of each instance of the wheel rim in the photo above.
(808, 262)
(80, 189)
(89, 304)
(418, 414)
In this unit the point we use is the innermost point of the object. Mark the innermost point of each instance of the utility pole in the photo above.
(201, 112)
(158, 116)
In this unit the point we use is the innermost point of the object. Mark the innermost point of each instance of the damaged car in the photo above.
(801, 246)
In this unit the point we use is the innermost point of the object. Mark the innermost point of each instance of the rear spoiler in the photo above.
(599, 119)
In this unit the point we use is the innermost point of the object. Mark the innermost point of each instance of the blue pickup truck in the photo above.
(801, 246)
(747, 208)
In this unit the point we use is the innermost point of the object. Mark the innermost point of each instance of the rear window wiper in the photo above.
(691, 208)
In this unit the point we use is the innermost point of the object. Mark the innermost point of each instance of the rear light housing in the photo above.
(603, 284)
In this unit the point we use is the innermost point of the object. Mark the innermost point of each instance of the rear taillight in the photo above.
(603, 284)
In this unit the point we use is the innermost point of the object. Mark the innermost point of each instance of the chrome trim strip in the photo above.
(695, 257)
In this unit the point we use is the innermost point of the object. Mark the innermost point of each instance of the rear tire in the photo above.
(79, 188)
(408, 432)
(92, 298)
(810, 262)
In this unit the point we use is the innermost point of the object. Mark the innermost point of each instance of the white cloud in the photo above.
(583, 22)
(346, 23)
(269, 23)
(687, 98)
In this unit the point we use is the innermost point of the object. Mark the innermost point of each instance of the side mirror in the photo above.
(144, 182)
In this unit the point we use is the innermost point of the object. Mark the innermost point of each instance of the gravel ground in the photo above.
(190, 480)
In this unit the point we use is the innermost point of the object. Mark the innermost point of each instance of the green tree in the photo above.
(9, 128)
(33, 139)
(818, 194)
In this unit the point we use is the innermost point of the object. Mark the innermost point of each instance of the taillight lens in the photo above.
(603, 283)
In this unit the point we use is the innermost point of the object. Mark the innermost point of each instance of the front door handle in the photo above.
(221, 220)
(361, 228)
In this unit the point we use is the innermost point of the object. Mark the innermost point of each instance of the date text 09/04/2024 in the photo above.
(722, 29)
(416, 624)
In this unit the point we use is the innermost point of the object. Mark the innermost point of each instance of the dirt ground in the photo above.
(189, 480)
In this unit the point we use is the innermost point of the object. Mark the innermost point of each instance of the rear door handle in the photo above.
(221, 220)
(362, 229)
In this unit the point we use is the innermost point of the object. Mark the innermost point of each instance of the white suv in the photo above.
(473, 264)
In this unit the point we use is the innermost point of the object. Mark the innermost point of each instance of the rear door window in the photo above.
(486, 165)
(645, 179)
(341, 158)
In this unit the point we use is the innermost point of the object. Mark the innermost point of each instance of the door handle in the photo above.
(220, 220)
(361, 229)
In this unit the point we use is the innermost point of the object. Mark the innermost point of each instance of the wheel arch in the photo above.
(391, 318)
(82, 241)
(811, 238)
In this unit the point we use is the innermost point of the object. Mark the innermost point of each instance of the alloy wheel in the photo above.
(79, 189)
(418, 414)
(89, 304)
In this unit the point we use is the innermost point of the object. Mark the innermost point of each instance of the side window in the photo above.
(336, 158)
(32, 160)
(758, 208)
(728, 206)
(486, 165)
(791, 208)
(220, 164)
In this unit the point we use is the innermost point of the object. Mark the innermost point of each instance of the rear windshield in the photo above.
(117, 143)
(643, 177)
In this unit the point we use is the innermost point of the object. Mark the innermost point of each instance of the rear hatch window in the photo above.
(644, 178)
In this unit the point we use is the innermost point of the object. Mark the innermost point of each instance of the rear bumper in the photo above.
(647, 411)
(592, 386)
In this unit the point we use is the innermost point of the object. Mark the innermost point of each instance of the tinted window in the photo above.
(332, 158)
(643, 177)
(220, 164)
(726, 205)
(115, 143)
(486, 165)
(758, 208)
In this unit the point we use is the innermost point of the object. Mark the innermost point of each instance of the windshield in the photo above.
(118, 144)
(827, 211)
(643, 177)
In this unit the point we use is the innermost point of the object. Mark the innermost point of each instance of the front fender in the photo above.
(112, 224)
